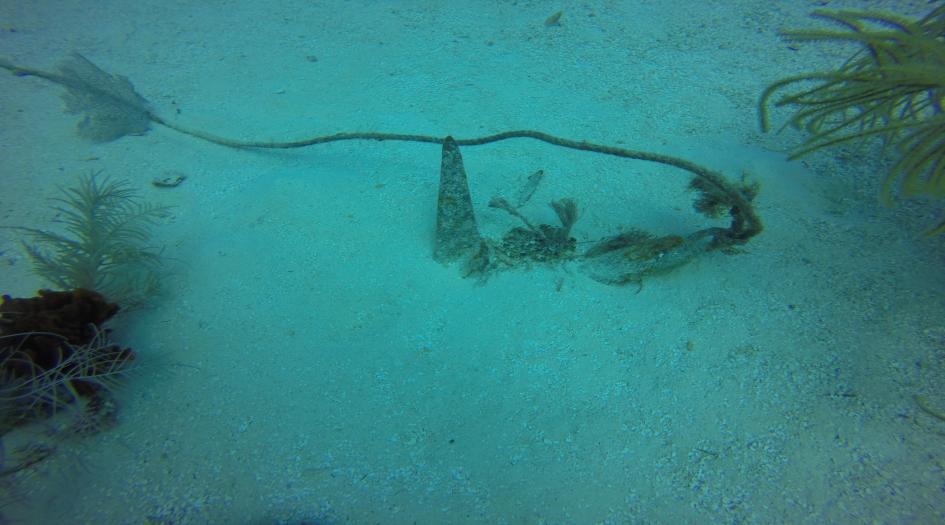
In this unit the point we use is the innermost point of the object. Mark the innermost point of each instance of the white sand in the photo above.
(310, 363)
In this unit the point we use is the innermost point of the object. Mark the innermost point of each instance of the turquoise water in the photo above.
(309, 362)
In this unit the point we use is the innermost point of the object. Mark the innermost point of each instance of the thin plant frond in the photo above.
(34, 390)
(102, 242)
(892, 88)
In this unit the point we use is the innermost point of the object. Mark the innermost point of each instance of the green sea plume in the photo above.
(101, 243)
(891, 88)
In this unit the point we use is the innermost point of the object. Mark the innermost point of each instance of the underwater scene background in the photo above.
(287, 348)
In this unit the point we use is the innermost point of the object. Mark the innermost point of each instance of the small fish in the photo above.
(170, 180)
(554, 19)
(528, 189)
